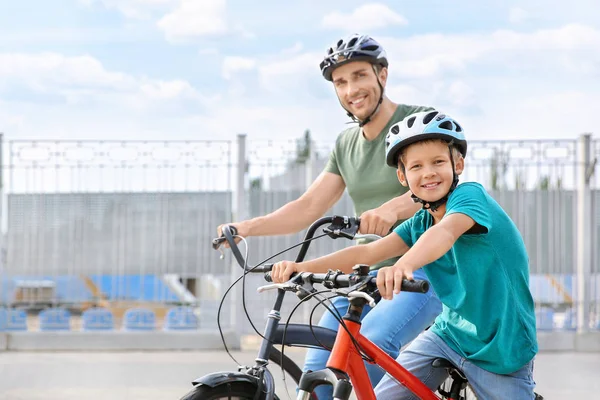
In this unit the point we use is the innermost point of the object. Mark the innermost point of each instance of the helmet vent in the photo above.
(395, 129)
(411, 122)
(458, 127)
(429, 117)
(446, 125)
(352, 42)
(371, 47)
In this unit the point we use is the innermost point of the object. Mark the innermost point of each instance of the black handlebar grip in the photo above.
(418, 286)
(268, 277)
(262, 268)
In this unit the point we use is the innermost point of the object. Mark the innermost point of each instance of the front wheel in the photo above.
(225, 391)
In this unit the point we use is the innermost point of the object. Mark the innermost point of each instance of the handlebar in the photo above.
(338, 280)
(340, 226)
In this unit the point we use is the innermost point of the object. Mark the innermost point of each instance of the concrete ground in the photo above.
(167, 375)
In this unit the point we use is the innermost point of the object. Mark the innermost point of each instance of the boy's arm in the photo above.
(372, 253)
(435, 242)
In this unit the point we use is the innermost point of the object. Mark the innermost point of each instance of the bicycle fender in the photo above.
(219, 378)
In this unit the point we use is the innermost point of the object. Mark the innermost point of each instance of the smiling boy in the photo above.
(474, 257)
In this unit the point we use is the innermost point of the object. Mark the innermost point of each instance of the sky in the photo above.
(211, 69)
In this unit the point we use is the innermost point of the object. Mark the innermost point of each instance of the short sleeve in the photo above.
(471, 199)
(404, 230)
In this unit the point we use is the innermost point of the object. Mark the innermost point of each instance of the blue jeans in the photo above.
(390, 325)
(417, 358)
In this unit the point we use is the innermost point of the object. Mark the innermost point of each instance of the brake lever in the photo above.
(284, 286)
(355, 294)
(345, 227)
(217, 242)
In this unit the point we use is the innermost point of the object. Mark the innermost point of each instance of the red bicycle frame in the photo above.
(345, 357)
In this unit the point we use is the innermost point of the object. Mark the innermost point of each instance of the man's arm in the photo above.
(298, 214)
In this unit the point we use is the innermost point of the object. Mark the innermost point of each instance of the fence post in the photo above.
(239, 214)
(2, 215)
(584, 232)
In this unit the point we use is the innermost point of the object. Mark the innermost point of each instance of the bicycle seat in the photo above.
(443, 363)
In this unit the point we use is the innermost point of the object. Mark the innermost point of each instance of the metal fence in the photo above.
(130, 222)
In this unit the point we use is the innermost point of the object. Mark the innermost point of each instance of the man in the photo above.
(358, 68)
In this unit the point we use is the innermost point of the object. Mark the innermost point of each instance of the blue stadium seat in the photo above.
(181, 318)
(139, 319)
(134, 288)
(17, 320)
(97, 319)
(55, 319)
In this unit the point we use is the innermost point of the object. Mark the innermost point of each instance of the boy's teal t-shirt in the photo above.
(488, 312)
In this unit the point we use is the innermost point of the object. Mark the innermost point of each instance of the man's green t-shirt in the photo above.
(361, 163)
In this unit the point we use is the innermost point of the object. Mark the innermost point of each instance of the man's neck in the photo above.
(379, 120)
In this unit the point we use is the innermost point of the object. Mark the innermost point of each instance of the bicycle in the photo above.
(345, 369)
(256, 382)
(257, 379)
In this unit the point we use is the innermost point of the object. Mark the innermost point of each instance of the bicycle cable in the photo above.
(243, 277)
(335, 314)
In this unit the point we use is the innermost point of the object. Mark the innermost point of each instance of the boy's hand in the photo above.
(389, 279)
(282, 271)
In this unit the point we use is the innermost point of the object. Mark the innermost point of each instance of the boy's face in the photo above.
(429, 169)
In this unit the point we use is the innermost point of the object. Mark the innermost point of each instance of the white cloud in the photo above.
(282, 73)
(517, 15)
(84, 80)
(233, 64)
(193, 18)
(364, 18)
(47, 71)
(434, 55)
(137, 9)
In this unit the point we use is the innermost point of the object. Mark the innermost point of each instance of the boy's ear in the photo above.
(401, 177)
(459, 165)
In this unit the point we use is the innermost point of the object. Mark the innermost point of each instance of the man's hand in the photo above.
(283, 270)
(389, 279)
(378, 221)
(242, 230)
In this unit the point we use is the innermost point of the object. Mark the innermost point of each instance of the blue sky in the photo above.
(203, 69)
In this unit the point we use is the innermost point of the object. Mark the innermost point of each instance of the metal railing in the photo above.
(130, 222)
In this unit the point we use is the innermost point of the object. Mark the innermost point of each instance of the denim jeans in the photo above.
(390, 325)
(417, 358)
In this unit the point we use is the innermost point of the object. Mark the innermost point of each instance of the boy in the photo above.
(473, 256)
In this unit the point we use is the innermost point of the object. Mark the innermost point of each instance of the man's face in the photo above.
(357, 88)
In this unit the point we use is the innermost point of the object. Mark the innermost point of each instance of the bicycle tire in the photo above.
(289, 366)
(226, 391)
